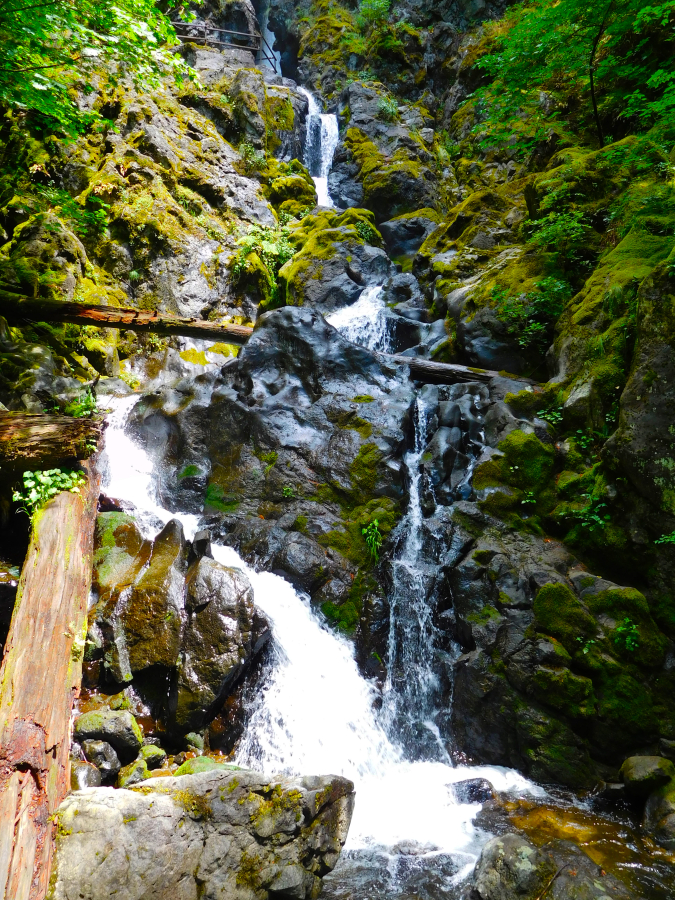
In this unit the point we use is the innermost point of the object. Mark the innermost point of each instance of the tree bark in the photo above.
(39, 680)
(16, 309)
(28, 439)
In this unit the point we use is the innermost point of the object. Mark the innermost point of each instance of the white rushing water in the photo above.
(364, 322)
(321, 141)
(315, 713)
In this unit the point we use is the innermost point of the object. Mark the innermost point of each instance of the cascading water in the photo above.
(411, 691)
(320, 143)
(316, 714)
(364, 322)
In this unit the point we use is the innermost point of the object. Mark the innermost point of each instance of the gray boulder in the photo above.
(223, 633)
(225, 834)
(103, 756)
(406, 234)
(659, 815)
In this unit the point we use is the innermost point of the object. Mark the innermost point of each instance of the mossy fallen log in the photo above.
(33, 440)
(18, 309)
(39, 680)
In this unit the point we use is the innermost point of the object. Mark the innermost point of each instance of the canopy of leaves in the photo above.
(625, 46)
(55, 52)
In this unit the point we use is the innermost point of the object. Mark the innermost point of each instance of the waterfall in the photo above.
(315, 713)
(411, 692)
(320, 143)
(364, 322)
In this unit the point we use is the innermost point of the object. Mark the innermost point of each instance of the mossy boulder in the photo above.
(153, 756)
(118, 728)
(134, 773)
(338, 255)
(644, 774)
(560, 613)
(200, 764)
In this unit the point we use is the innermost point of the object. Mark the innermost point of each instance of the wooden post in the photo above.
(39, 680)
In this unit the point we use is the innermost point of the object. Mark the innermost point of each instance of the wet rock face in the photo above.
(188, 624)
(300, 443)
(226, 834)
(512, 868)
(222, 633)
(378, 164)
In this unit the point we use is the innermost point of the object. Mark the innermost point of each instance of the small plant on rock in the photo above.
(666, 539)
(627, 635)
(84, 406)
(373, 538)
(288, 491)
(585, 645)
(40, 487)
(387, 109)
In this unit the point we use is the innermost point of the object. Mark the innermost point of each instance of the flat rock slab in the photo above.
(218, 834)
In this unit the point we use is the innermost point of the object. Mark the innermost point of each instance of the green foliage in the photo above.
(563, 234)
(373, 538)
(288, 491)
(592, 515)
(627, 635)
(373, 13)
(270, 245)
(84, 406)
(585, 645)
(50, 52)
(531, 316)
(621, 50)
(367, 233)
(387, 109)
(666, 539)
(41, 486)
(88, 219)
(254, 160)
(553, 415)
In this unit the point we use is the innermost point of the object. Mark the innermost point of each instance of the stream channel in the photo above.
(313, 712)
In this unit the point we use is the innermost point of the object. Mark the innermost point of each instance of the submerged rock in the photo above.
(216, 834)
(512, 868)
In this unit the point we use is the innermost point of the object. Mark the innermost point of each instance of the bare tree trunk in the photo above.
(17, 309)
(39, 680)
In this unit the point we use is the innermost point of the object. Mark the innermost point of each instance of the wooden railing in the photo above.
(211, 36)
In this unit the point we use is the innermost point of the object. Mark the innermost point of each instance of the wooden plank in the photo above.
(17, 309)
(39, 681)
(32, 439)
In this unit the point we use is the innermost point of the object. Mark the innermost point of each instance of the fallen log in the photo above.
(17, 309)
(41, 441)
(39, 680)
(447, 373)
